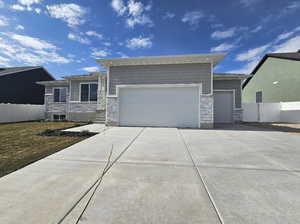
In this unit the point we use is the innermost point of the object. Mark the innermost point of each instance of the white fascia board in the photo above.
(160, 60)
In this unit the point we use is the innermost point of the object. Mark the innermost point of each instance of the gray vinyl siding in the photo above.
(160, 74)
(230, 84)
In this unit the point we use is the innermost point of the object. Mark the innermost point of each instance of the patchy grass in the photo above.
(21, 144)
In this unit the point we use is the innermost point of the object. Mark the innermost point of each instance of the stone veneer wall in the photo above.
(112, 111)
(206, 111)
(53, 107)
(101, 104)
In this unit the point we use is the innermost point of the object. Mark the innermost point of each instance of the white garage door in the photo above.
(223, 106)
(159, 106)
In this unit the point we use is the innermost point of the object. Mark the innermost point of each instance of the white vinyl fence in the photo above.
(272, 112)
(21, 112)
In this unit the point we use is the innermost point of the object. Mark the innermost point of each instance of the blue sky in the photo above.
(66, 36)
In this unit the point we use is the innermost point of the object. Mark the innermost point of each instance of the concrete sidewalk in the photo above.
(96, 128)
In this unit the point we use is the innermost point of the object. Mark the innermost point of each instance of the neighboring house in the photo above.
(276, 78)
(18, 85)
(173, 91)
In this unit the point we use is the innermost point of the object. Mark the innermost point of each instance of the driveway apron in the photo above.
(155, 181)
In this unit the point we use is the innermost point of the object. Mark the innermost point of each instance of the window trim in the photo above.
(53, 91)
(59, 117)
(88, 101)
(261, 96)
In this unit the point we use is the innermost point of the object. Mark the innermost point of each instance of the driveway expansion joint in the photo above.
(201, 178)
(98, 181)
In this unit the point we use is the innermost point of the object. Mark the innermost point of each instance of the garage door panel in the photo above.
(160, 106)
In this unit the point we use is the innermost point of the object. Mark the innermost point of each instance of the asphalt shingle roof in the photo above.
(293, 55)
(12, 70)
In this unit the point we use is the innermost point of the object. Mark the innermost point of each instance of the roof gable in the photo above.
(287, 56)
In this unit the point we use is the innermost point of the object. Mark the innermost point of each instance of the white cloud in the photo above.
(18, 7)
(31, 42)
(25, 5)
(90, 69)
(252, 54)
(95, 34)
(118, 6)
(246, 69)
(284, 36)
(29, 2)
(224, 47)
(293, 5)
(4, 62)
(77, 37)
(100, 52)
(38, 10)
(72, 14)
(168, 15)
(135, 8)
(134, 12)
(139, 20)
(247, 3)
(256, 29)
(107, 44)
(139, 42)
(291, 45)
(29, 50)
(193, 18)
(1, 4)
(224, 34)
(3, 21)
(20, 27)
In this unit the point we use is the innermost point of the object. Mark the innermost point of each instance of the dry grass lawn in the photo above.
(284, 127)
(21, 145)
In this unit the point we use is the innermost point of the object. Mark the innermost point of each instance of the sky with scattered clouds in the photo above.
(66, 36)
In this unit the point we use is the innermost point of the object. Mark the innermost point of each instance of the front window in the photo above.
(88, 92)
(60, 95)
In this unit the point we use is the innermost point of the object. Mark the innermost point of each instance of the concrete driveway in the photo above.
(161, 175)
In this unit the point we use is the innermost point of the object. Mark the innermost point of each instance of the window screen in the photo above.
(60, 94)
(93, 92)
(84, 92)
(63, 95)
(259, 97)
(89, 92)
(56, 95)
(56, 117)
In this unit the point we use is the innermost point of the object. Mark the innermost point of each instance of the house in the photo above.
(18, 85)
(173, 91)
(276, 78)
